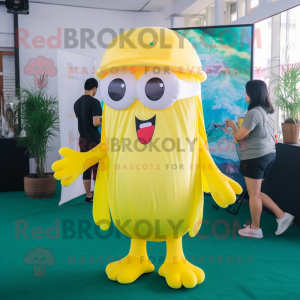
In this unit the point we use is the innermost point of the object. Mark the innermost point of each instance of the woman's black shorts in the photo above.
(257, 168)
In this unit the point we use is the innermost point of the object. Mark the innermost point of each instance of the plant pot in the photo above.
(290, 133)
(39, 187)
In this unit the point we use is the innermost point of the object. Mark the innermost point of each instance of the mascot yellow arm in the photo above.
(75, 163)
(202, 133)
(222, 188)
(101, 213)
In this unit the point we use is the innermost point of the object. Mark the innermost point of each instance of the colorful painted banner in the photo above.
(226, 57)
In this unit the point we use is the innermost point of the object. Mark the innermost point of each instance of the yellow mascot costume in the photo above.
(154, 162)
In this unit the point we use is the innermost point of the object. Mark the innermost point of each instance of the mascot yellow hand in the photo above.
(222, 188)
(75, 163)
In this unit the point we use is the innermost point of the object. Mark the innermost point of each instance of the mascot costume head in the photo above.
(154, 162)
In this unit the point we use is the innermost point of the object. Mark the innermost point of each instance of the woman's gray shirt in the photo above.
(261, 140)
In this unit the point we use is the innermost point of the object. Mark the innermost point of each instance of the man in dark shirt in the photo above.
(88, 112)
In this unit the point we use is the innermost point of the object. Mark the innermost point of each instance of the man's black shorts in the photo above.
(257, 168)
(91, 172)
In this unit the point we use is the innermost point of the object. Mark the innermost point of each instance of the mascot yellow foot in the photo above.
(181, 273)
(131, 267)
(177, 270)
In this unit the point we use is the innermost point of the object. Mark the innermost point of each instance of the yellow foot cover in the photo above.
(128, 269)
(180, 273)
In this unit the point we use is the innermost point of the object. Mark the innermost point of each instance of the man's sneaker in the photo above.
(252, 233)
(284, 223)
(89, 200)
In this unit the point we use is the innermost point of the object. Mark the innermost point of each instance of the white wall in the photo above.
(144, 19)
(265, 10)
(44, 20)
(6, 29)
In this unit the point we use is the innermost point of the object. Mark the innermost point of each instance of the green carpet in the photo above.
(235, 268)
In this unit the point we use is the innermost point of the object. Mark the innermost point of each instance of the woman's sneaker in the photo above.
(284, 223)
(252, 233)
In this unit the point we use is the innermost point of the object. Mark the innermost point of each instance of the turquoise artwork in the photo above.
(226, 57)
(100, 127)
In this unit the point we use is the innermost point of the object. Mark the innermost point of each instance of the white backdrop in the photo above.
(43, 25)
(73, 70)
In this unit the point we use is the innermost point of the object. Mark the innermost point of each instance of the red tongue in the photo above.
(145, 134)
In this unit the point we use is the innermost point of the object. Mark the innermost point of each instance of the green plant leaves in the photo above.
(40, 120)
(286, 86)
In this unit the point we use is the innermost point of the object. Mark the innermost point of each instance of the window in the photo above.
(254, 3)
(289, 37)
(8, 120)
(284, 28)
(262, 49)
(233, 12)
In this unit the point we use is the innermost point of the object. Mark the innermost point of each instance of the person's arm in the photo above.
(97, 113)
(250, 121)
(226, 130)
(96, 121)
(238, 134)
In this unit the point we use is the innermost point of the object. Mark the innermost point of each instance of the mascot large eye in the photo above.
(158, 89)
(118, 90)
(154, 88)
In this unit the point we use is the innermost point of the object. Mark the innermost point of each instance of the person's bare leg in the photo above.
(87, 186)
(271, 205)
(255, 202)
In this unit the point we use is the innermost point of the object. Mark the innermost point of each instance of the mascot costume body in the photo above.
(154, 162)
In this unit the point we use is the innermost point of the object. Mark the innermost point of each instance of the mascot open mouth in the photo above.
(145, 129)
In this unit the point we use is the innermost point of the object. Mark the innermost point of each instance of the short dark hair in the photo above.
(90, 84)
(259, 96)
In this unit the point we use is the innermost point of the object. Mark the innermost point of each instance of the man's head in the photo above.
(91, 86)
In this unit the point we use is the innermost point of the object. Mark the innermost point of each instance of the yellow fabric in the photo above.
(166, 193)
(151, 46)
(163, 186)
(101, 212)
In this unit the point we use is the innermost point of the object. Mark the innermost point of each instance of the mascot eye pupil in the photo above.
(154, 89)
(117, 89)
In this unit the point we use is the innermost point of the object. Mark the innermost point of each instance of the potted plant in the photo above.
(286, 88)
(39, 124)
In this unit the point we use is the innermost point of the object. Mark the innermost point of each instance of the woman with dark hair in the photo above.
(257, 153)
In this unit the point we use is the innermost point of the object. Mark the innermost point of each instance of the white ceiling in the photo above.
(131, 5)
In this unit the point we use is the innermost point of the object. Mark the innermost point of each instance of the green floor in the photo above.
(272, 273)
